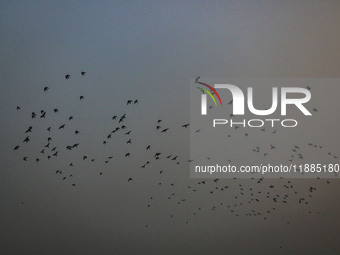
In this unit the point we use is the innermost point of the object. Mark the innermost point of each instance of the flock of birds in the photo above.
(255, 197)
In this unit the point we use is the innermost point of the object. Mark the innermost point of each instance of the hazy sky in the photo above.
(148, 50)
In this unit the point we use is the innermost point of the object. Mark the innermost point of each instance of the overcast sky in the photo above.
(149, 50)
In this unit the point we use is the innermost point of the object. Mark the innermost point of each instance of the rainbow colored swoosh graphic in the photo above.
(208, 92)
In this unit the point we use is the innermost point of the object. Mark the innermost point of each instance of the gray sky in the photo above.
(149, 51)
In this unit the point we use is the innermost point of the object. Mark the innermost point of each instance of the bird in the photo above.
(29, 129)
(46, 89)
(186, 125)
(67, 76)
(83, 73)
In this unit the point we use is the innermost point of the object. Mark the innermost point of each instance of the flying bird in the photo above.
(164, 130)
(29, 129)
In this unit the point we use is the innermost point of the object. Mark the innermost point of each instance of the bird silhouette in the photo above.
(29, 129)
